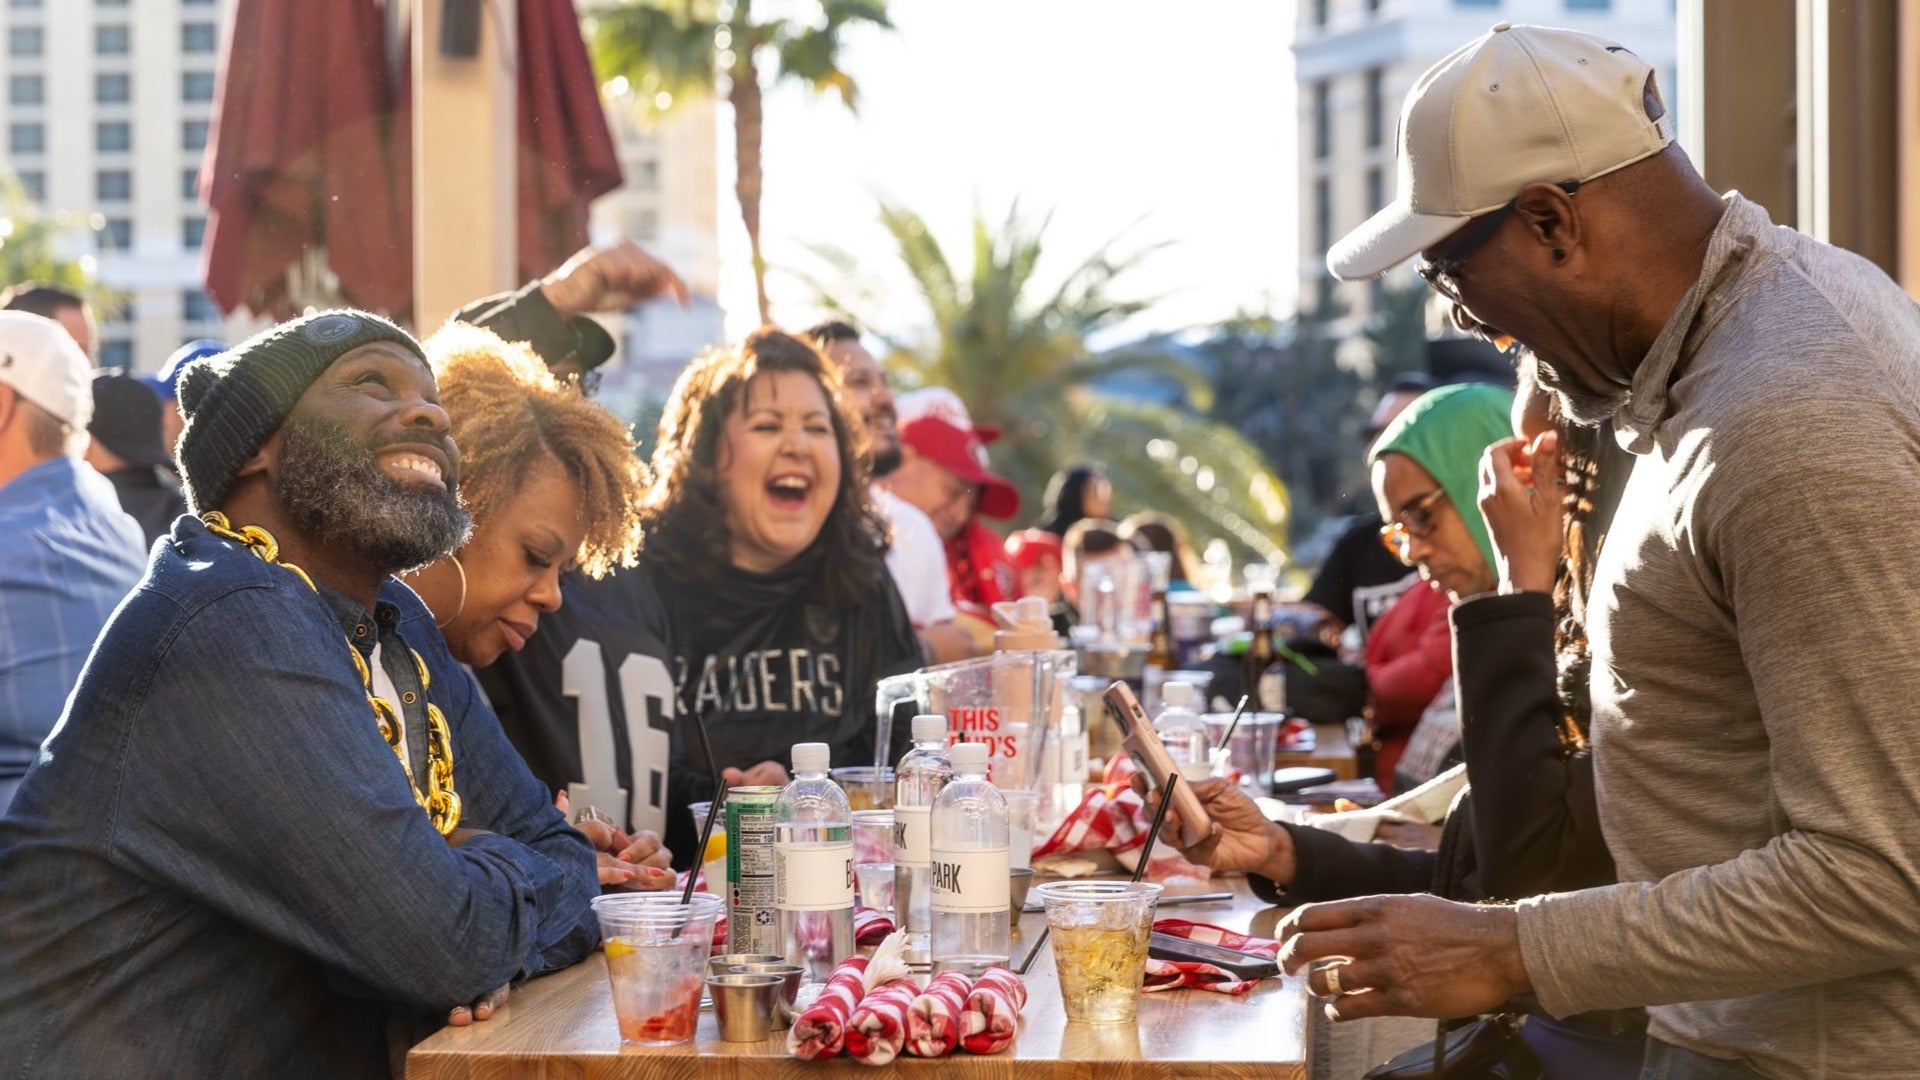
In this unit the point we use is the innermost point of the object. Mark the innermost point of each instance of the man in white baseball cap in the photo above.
(70, 554)
(1750, 618)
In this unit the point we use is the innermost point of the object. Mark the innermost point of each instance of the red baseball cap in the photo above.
(961, 452)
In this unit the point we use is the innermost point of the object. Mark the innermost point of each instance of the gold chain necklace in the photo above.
(440, 801)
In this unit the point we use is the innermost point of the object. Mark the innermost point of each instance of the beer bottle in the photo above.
(1265, 681)
(1160, 655)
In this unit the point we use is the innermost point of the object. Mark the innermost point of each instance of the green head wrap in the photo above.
(1445, 431)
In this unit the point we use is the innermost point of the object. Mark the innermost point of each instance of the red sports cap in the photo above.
(960, 451)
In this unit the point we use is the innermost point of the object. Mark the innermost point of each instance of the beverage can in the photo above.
(752, 923)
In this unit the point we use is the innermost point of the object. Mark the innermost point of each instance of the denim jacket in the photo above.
(218, 867)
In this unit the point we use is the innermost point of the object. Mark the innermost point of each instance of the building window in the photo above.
(1589, 5)
(1376, 107)
(193, 135)
(1373, 7)
(1476, 3)
(646, 175)
(109, 3)
(112, 136)
(1319, 12)
(23, 3)
(192, 231)
(1324, 294)
(1322, 119)
(196, 3)
(196, 86)
(113, 89)
(33, 183)
(27, 138)
(1322, 215)
(26, 90)
(114, 39)
(25, 41)
(117, 353)
(199, 37)
(113, 185)
(1376, 190)
(197, 307)
(190, 184)
(119, 234)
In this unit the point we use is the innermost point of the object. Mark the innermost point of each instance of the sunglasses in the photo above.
(1414, 522)
(1442, 274)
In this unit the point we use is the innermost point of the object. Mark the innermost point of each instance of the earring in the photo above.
(462, 606)
(1558, 255)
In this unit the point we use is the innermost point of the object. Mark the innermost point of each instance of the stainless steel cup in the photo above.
(744, 1005)
(726, 962)
(784, 1007)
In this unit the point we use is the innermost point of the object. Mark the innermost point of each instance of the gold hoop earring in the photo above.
(462, 606)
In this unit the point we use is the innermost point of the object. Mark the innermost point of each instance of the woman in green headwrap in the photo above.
(1426, 476)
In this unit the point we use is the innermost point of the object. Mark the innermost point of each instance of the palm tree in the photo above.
(30, 244)
(1021, 362)
(670, 49)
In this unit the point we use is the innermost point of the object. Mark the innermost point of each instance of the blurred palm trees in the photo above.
(1018, 356)
(668, 49)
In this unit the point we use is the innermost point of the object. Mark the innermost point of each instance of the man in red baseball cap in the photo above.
(944, 472)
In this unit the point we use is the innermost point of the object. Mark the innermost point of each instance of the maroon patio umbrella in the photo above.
(298, 157)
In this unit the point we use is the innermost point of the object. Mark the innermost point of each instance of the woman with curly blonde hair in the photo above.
(550, 479)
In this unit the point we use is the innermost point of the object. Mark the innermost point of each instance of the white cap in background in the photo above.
(40, 361)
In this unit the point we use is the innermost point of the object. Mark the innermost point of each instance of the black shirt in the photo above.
(1360, 578)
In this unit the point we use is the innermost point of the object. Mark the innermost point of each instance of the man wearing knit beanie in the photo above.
(275, 815)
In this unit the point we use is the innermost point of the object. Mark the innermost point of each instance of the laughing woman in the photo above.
(552, 483)
(768, 567)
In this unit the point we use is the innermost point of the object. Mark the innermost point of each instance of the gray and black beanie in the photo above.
(234, 401)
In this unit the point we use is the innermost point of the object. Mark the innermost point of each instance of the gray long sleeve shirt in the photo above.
(1756, 681)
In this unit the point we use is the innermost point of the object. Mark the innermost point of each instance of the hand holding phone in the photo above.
(1143, 745)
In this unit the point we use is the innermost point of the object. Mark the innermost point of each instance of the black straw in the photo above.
(1240, 711)
(713, 809)
(1146, 854)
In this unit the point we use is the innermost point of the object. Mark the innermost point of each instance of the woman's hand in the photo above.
(625, 862)
(462, 1015)
(765, 774)
(1241, 838)
(1523, 496)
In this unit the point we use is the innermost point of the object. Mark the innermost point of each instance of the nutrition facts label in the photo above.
(751, 926)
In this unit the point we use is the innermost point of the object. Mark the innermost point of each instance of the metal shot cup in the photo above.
(744, 1005)
(726, 962)
(786, 1002)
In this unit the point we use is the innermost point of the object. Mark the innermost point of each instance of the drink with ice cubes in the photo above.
(1100, 931)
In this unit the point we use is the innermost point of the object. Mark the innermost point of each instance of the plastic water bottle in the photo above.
(813, 865)
(971, 921)
(917, 782)
(1182, 732)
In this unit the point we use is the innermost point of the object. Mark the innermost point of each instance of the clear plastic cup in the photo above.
(1100, 931)
(872, 837)
(867, 788)
(716, 843)
(876, 886)
(656, 962)
(1254, 742)
(1023, 808)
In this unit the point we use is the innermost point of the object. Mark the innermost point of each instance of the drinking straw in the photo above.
(1140, 871)
(713, 809)
(1238, 712)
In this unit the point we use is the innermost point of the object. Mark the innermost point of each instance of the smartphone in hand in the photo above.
(1143, 745)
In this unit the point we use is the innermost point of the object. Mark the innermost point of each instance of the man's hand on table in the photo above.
(462, 1015)
(1241, 837)
(627, 862)
(1406, 956)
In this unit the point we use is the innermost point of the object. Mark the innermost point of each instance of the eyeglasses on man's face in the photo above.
(1443, 273)
(1415, 521)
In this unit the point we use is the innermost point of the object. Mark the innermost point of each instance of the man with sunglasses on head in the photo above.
(1752, 679)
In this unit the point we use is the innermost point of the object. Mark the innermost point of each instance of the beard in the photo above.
(334, 490)
(1582, 406)
(886, 461)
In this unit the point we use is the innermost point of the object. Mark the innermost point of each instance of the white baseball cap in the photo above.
(41, 362)
(1520, 105)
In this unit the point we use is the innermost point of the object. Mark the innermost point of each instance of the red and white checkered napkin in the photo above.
(1174, 975)
(1112, 817)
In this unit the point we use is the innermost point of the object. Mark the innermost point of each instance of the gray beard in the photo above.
(334, 490)
(1577, 403)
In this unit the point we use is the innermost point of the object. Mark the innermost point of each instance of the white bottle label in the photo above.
(911, 835)
(814, 877)
(970, 881)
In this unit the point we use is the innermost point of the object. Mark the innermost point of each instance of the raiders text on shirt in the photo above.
(769, 680)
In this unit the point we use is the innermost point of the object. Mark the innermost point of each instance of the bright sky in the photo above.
(1105, 112)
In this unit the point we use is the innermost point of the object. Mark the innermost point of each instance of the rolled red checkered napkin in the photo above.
(1179, 975)
(933, 1023)
(870, 927)
(878, 1027)
(820, 1030)
(992, 1015)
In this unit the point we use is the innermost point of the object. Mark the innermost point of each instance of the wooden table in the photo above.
(563, 1026)
(1331, 750)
